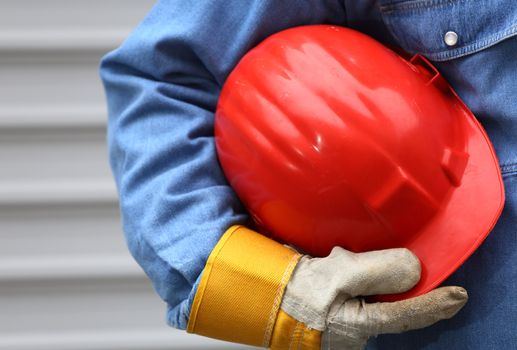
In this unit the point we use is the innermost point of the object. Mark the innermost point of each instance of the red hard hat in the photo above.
(331, 139)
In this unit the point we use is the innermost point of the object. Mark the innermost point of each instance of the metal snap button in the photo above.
(450, 38)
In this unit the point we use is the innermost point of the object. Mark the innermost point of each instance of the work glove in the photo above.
(326, 294)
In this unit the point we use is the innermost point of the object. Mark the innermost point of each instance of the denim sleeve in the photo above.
(162, 86)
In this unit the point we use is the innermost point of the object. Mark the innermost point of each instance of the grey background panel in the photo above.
(67, 280)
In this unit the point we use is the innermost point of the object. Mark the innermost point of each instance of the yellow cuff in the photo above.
(241, 288)
(291, 334)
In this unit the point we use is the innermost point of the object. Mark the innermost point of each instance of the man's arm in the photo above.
(162, 86)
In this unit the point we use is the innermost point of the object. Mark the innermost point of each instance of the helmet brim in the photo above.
(462, 225)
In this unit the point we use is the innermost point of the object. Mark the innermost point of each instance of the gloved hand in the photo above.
(323, 293)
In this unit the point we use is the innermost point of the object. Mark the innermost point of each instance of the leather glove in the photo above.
(324, 294)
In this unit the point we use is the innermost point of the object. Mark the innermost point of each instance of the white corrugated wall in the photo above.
(66, 278)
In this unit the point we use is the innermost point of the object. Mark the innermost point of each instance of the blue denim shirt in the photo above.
(162, 86)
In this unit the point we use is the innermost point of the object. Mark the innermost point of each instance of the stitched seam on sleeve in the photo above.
(294, 336)
(278, 299)
(300, 342)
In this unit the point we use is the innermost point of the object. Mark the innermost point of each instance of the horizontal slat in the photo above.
(58, 192)
(73, 267)
(130, 339)
(78, 304)
(36, 158)
(55, 230)
(34, 41)
(40, 84)
(57, 117)
(69, 15)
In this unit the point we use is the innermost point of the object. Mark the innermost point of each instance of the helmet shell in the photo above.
(331, 139)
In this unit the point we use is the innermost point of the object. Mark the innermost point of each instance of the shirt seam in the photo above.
(473, 47)
(417, 5)
(509, 169)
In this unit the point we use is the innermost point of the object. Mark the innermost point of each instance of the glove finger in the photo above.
(355, 317)
(376, 272)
